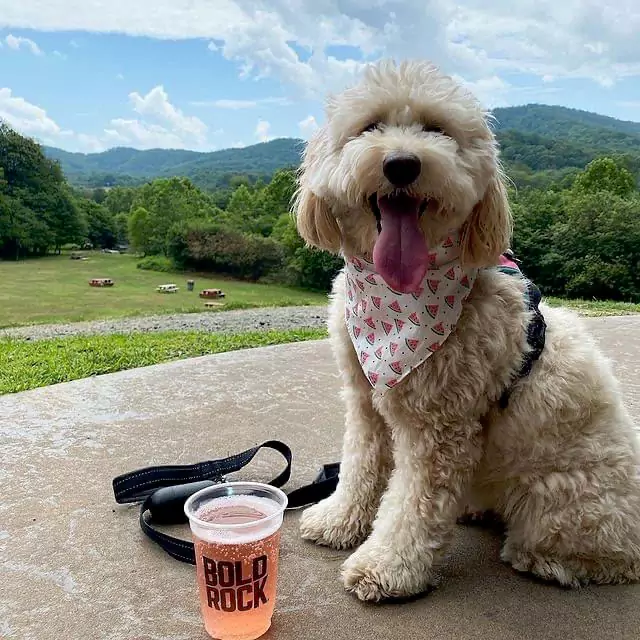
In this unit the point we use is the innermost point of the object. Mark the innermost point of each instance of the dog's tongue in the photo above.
(400, 254)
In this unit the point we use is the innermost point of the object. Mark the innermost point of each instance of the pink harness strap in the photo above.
(505, 262)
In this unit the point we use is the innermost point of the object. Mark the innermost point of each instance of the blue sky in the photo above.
(208, 74)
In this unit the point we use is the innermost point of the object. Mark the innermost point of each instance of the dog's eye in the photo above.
(432, 128)
(371, 127)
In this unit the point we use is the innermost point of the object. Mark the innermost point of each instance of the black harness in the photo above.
(535, 331)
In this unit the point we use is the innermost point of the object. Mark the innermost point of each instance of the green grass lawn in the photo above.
(27, 365)
(56, 289)
(596, 307)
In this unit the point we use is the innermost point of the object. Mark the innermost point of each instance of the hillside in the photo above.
(208, 170)
(539, 144)
(560, 121)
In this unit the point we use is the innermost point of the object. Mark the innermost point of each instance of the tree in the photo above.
(99, 195)
(242, 211)
(119, 200)
(121, 222)
(600, 244)
(100, 224)
(276, 199)
(168, 201)
(39, 210)
(605, 174)
(308, 267)
(140, 230)
(536, 214)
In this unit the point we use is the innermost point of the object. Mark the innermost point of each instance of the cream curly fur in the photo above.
(560, 465)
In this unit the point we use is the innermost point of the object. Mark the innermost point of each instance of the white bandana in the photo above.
(393, 332)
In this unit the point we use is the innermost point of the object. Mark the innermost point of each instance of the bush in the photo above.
(208, 246)
(306, 267)
(157, 263)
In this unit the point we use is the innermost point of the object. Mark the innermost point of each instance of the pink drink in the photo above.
(237, 539)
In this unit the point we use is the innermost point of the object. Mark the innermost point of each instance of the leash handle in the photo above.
(164, 489)
(137, 485)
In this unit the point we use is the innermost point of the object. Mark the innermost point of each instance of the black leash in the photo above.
(163, 490)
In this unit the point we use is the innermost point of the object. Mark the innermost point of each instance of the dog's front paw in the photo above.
(335, 524)
(378, 572)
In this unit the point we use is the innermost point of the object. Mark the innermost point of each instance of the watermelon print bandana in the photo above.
(393, 332)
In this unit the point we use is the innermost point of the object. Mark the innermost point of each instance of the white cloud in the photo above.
(156, 105)
(262, 130)
(228, 104)
(307, 126)
(240, 104)
(161, 125)
(59, 54)
(16, 43)
(119, 76)
(74, 44)
(28, 118)
(142, 135)
(476, 39)
(484, 42)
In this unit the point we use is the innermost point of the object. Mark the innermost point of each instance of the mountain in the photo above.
(540, 144)
(560, 121)
(208, 170)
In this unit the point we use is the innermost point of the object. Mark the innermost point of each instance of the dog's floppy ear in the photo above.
(487, 232)
(316, 224)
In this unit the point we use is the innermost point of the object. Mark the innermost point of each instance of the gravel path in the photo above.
(216, 322)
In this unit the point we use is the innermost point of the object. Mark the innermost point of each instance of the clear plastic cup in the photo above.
(236, 534)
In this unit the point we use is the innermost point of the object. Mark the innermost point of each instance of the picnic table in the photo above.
(167, 288)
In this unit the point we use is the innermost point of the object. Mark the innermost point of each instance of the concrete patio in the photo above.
(75, 566)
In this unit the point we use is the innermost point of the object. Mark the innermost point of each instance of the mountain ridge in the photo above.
(533, 138)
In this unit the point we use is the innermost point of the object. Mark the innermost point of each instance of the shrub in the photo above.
(213, 247)
(157, 263)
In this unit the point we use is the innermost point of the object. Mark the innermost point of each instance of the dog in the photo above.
(405, 166)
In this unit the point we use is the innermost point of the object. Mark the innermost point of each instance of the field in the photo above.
(56, 289)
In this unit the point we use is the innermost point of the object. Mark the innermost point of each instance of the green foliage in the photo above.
(605, 174)
(121, 225)
(37, 209)
(119, 200)
(209, 246)
(585, 241)
(157, 263)
(100, 224)
(307, 267)
(140, 230)
(160, 204)
(582, 127)
(600, 241)
(28, 365)
(255, 210)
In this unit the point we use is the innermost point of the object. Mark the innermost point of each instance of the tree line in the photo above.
(576, 237)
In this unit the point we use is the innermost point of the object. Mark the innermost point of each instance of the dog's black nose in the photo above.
(401, 169)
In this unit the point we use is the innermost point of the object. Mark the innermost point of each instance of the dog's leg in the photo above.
(344, 519)
(577, 527)
(417, 515)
